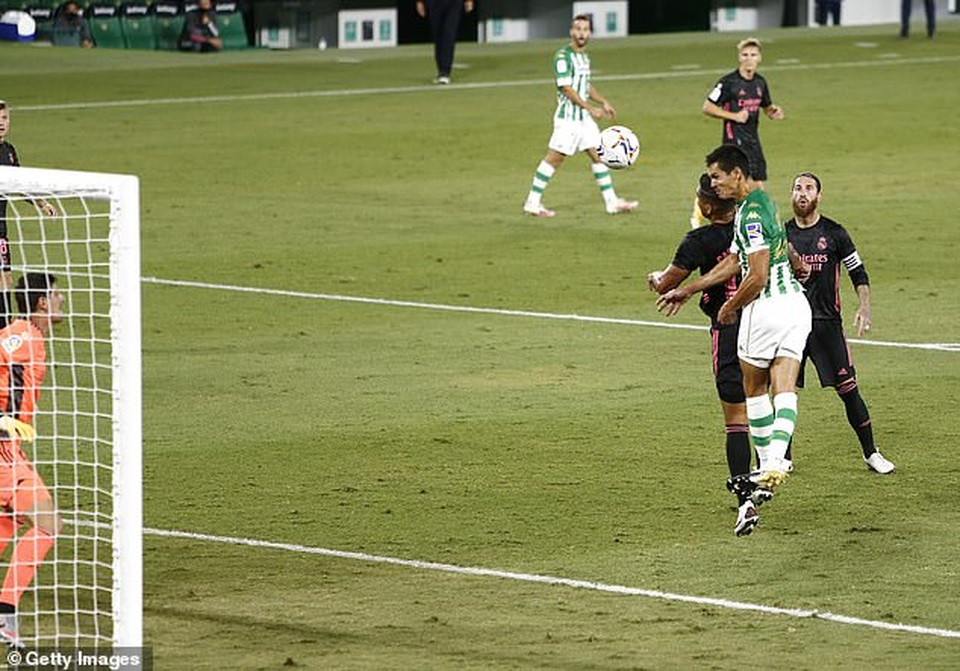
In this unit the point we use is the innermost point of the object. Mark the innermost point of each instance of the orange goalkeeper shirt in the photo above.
(23, 365)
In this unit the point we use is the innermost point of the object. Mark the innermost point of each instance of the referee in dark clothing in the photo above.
(825, 245)
(444, 17)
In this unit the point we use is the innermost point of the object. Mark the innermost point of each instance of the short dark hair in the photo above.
(706, 191)
(583, 17)
(809, 175)
(727, 157)
(31, 287)
(705, 187)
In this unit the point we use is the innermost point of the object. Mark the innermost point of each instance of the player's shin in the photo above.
(541, 179)
(601, 175)
(760, 415)
(785, 407)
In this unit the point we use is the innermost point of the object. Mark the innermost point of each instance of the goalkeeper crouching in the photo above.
(24, 498)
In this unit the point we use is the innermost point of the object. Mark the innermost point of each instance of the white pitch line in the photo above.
(944, 347)
(282, 95)
(565, 582)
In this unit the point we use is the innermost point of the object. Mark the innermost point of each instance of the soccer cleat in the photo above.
(8, 633)
(622, 206)
(745, 490)
(442, 79)
(773, 473)
(538, 211)
(747, 519)
(740, 485)
(880, 464)
(761, 495)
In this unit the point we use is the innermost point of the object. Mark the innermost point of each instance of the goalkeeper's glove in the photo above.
(15, 428)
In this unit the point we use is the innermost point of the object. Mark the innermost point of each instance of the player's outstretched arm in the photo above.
(720, 273)
(673, 300)
(664, 280)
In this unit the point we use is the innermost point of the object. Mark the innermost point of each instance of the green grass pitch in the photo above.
(503, 439)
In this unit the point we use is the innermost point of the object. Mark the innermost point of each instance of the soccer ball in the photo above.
(619, 147)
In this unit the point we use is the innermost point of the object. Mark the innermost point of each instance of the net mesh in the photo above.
(70, 601)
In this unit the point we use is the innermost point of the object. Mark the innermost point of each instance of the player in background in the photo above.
(702, 249)
(775, 321)
(444, 17)
(825, 245)
(737, 100)
(579, 105)
(24, 498)
(8, 156)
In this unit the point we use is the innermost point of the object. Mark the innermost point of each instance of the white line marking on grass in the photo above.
(554, 580)
(281, 95)
(944, 347)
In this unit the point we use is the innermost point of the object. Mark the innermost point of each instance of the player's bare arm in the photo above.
(801, 269)
(713, 110)
(861, 319)
(664, 280)
(758, 271)
(611, 113)
(574, 97)
(673, 300)
(774, 112)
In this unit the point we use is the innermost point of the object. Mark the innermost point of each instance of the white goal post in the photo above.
(88, 592)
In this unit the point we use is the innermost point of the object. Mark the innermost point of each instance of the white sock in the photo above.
(601, 174)
(761, 418)
(540, 180)
(785, 406)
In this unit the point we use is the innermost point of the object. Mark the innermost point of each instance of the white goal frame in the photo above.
(123, 194)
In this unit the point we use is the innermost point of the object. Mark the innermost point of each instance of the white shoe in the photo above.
(443, 80)
(877, 462)
(622, 206)
(8, 633)
(538, 211)
(747, 519)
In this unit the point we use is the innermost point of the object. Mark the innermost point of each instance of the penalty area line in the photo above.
(558, 581)
(944, 347)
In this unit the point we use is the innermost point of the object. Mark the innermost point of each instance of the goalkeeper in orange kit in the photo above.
(24, 498)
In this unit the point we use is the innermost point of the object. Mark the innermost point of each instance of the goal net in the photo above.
(87, 593)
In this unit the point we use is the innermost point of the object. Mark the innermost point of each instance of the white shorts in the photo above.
(570, 137)
(774, 327)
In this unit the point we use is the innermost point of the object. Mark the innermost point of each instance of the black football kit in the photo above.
(734, 93)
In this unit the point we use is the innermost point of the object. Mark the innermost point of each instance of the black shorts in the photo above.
(726, 363)
(754, 152)
(827, 348)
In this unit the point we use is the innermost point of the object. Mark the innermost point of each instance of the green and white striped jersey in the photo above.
(757, 227)
(571, 68)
